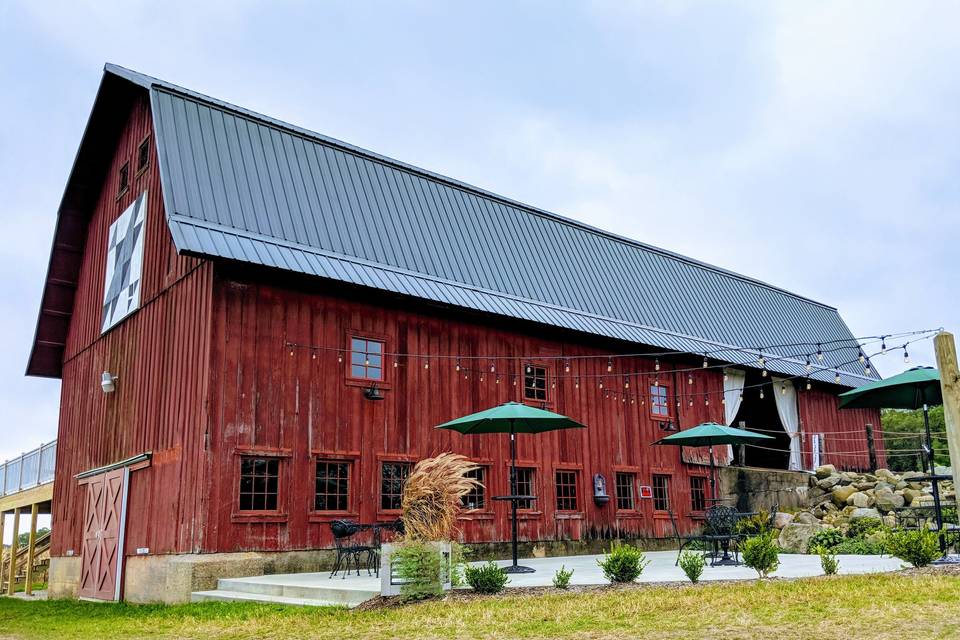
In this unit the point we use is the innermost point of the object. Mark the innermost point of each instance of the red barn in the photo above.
(257, 328)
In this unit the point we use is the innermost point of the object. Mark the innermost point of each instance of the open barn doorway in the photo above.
(760, 415)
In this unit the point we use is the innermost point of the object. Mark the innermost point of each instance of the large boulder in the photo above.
(887, 475)
(782, 519)
(840, 494)
(829, 482)
(860, 500)
(805, 517)
(795, 537)
(825, 471)
(859, 514)
(925, 500)
(887, 500)
(909, 495)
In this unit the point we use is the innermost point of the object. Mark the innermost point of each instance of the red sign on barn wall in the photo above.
(646, 491)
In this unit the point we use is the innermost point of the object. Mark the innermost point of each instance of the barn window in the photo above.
(566, 485)
(525, 486)
(625, 484)
(143, 155)
(124, 179)
(476, 498)
(393, 475)
(698, 493)
(366, 359)
(661, 492)
(659, 401)
(259, 478)
(534, 383)
(332, 486)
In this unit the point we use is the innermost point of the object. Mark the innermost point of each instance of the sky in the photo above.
(814, 146)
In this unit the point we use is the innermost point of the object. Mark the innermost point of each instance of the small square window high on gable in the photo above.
(366, 359)
(124, 181)
(143, 155)
(534, 382)
(659, 401)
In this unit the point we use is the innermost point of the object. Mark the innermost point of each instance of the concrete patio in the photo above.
(319, 589)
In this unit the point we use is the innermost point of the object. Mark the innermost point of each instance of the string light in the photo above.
(577, 385)
(808, 366)
(764, 373)
(626, 383)
(291, 351)
(860, 355)
(609, 365)
(498, 378)
(395, 363)
(866, 368)
(690, 379)
(706, 401)
(783, 388)
(906, 356)
(340, 358)
(656, 364)
(458, 364)
(601, 383)
(493, 367)
(761, 361)
(706, 362)
(726, 376)
(819, 352)
(313, 355)
(761, 393)
(836, 378)
(883, 344)
(529, 369)
(691, 402)
(426, 363)
(566, 367)
(809, 386)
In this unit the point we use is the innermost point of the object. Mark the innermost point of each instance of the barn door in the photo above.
(103, 526)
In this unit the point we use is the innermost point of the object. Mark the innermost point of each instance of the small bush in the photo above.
(858, 548)
(919, 547)
(762, 554)
(561, 579)
(487, 578)
(755, 525)
(826, 538)
(692, 564)
(419, 566)
(623, 563)
(863, 527)
(828, 561)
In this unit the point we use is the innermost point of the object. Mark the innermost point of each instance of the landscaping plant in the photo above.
(624, 563)
(826, 538)
(828, 561)
(419, 566)
(919, 547)
(431, 496)
(762, 554)
(755, 525)
(561, 579)
(863, 527)
(858, 547)
(692, 564)
(487, 578)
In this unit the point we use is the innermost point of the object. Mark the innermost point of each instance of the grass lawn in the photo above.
(902, 605)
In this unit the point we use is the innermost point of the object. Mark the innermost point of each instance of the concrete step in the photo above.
(316, 588)
(236, 596)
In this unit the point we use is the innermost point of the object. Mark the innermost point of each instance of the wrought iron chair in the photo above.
(373, 556)
(684, 541)
(348, 550)
(721, 533)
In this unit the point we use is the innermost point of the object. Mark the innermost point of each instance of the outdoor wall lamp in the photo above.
(373, 393)
(108, 382)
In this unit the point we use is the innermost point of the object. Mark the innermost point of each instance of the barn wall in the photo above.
(845, 442)
(265, 399)
(158, 353)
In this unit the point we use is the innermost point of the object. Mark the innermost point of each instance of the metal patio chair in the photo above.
(348, 550)
(684, 541)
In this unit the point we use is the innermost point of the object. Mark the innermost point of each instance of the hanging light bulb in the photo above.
(678, 404)
(706, 363)
(808, 384)
(726, 376)
(291, 350)
(426, 363)
(458, 364)
(783, 388)
(819, 353)
(493, 367)
(643, 400)
(764, 373)
(498, 378)
(691, 402)
(723, 401)
(609, 365)
(808, 366)
(656, 364)
(626, 383)
(514, 380)
(601, 383)
(860, 355)
(706, 401)
(690, 379)
(624, 399)
(883, 344)
(394, 363)
(529, 369)
(656, 382)
(366, 361)
(866, 368)
(761, 393)
(339, 357)
(633, 400)
(577, 384)
(836, 378)
(906, 356)
(566, 366)
(313, 355)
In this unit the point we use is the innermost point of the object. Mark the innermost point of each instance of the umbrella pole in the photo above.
(513, 490)
(713, 478)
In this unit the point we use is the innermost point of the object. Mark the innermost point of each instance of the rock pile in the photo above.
(837, 498)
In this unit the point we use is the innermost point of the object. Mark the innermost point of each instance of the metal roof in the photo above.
(242, 186)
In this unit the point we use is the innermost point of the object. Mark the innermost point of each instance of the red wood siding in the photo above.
(262, 398)
(159, 356)
(845, 441)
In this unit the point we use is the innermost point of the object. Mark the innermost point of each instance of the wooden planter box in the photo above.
(390, 583)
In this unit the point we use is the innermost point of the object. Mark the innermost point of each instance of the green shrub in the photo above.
(487, 578)
(458, 563)
(863, 527)
(754, 525)
(419, 567)
(828, 561)
(692, 564)
(919, 547)
(623, 563)
(858, 548)
(561, 579)
(826, 538)
(762, 554)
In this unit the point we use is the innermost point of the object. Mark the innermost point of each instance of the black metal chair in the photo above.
(721, 534)
(348, 550)
(373, 556)
(683, 541)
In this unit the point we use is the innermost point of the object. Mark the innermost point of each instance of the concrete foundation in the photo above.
(63, 580)
(752, 489)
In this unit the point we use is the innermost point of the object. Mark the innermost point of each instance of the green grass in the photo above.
(874, 607)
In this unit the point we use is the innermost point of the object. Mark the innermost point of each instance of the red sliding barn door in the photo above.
(103, 525)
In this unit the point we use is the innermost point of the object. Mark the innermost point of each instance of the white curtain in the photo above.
(786, 396)
(733, 382)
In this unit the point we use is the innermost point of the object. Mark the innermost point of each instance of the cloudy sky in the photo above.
(814, 146)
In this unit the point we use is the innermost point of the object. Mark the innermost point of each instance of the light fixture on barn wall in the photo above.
(108, 382)
(373, 393)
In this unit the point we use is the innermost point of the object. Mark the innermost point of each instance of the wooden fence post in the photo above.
(946, 350)
(14, 543)
(31, 548)
(871, 448)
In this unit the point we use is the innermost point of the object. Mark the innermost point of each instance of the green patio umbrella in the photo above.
(709, 434)
(512, 418)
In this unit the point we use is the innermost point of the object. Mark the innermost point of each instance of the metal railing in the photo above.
(30, 470)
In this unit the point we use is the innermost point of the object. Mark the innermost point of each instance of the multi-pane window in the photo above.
(332, 486)
(566, 484)
(534, 382)
(476, 498)
(259, 478)
(143, 155)
(625, 485)
(393, 475)
(525, 487)
(659, 401)
(698, 493)
(366, 359)
(124, 178)
(661, 492)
